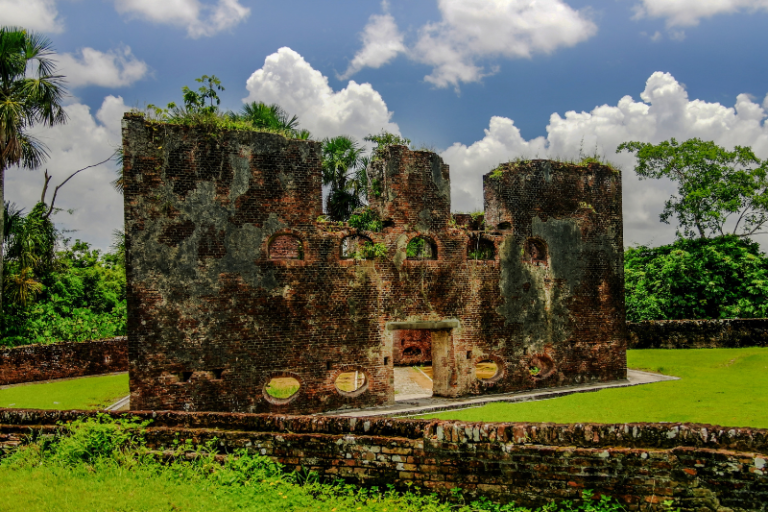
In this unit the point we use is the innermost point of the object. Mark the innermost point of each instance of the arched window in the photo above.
(480, 249)
(421, 248)
(286, 247)
(358, 247)
(535, 252)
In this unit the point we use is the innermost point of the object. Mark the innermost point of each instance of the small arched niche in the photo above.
(535, 252)
(286, 247)
(480, 248)
(421, 248)
(357, 247)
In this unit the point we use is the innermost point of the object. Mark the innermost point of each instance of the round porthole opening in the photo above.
(281, 389)
(353, 381)
(487, 371)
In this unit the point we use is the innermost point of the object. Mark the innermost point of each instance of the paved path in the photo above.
(414, 405)
(411, 384)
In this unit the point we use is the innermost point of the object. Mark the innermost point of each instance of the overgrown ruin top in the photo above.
(236, 282)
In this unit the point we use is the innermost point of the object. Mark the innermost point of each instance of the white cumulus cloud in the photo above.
(288, 80)
(690, 12)
(474, 30)
(382, 42)
(84, 140)
(39, 15)
(115, 68)
(664, 112)
(200, 19)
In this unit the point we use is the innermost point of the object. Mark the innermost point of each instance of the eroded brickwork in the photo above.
(412, 347)
(234, 281)
(697, 467)
(31, 363)
(728, 333)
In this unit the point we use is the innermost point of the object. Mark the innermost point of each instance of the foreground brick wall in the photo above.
(732, 333)
(698, 467)
(233, 280)
(30, 363)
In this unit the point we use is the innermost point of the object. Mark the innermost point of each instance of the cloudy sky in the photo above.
(479, 81)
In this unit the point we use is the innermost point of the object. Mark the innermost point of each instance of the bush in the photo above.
(723, 277)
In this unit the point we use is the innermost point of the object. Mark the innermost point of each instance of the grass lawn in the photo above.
(718, 386)
(83, 393)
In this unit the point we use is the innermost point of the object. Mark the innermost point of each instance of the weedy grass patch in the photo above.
(83, 393)
(717, 386)
(102, 464)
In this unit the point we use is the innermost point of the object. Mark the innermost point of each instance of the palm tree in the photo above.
(272, 118)
(343, 170)
(30, 94)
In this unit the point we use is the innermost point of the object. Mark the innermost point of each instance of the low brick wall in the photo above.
(698, 467)
(733, 333)
(31, 363)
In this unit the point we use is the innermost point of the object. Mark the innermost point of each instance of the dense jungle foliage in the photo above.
(722, 277)
(56, 290)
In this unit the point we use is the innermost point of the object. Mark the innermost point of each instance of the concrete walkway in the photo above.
(411, 403)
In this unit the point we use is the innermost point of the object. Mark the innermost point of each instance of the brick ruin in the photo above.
(234, 280)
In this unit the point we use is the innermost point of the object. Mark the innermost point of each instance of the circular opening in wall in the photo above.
(487, 370)
(282, 388)
(351, 382)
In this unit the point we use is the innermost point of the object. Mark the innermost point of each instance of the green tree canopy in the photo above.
(714, 186)
(721, 277)
(30, 94)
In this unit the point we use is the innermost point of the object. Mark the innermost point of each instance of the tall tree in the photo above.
(342, 161)
(715, 186)
(30, 94)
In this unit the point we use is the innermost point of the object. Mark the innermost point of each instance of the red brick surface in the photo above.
(210, 293)
(697, 467)
(31, 363)
(412, 347)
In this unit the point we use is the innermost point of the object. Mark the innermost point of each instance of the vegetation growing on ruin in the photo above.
(102, 463)
(581, 161)
(201, 109)
(716, 387)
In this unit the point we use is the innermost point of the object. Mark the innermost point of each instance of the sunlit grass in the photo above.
(717, 386)
(83, 393)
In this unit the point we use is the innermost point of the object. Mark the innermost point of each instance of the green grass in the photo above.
(101, 464)
(84, 393)
(718, 386)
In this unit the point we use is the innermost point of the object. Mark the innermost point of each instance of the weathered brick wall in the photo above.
(731, 333)
(562, 276)
(214, 315)
(411, 347)
(31, 363)
(698, 467)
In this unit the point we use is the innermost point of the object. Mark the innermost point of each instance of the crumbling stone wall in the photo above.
(729, 333)
(233, 280)
(32, 363)
(697, 467)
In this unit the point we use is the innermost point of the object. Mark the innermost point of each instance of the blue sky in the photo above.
(480, 81)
